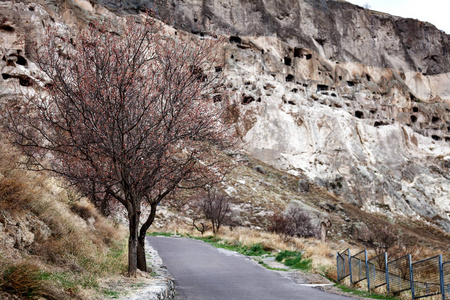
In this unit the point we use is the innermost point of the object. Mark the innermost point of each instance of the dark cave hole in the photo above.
(415, 109)
(247, 100)
(413, 119)
(435, 120)
(287, 61)
(436, 137)
(289, 78)
(359, 114)
(235, 39)
(21, 60)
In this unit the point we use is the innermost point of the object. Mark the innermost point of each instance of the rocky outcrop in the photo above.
(338, 30)
(356, 99)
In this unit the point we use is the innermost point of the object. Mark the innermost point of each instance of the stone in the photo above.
(303, 186)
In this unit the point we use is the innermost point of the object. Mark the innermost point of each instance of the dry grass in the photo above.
(75, 246)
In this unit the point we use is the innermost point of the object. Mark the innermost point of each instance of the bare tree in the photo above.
(128, 117)
(215, 207)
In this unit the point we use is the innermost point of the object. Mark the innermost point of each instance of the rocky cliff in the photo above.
(357, 100)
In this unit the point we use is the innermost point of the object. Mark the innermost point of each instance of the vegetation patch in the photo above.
(363, 294)
(248, 250)
(294, 260)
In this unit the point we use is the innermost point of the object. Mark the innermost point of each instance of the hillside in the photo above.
(341, 110)
(53, 244)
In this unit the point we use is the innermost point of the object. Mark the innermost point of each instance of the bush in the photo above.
(293, 222)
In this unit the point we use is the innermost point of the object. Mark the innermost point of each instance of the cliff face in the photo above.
(355, 99)
(338, 30)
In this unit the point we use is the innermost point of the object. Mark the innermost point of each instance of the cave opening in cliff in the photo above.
(294, 90)
(322, 87)
(218, 69)
(217, 98)
(287, 61)
(368, 77)
(340, 78)
(350, 83)
(308, 56)
(198, 73)
(435, 120)
(298, 52)
(436, 137)
(413, 119)
(21, 60)
(289, 78)
(6, 28)
(235, 39)
(5, 76)
(359, 114)
(415, 109)
(291, 102)
(247, 99)
(448, 129)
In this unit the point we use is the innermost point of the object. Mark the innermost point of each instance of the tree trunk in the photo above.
(141, 261)
(133, 219)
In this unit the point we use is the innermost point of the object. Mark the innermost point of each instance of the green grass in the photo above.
(112, 294)
(161, 234)
(269, 267)
(294, 260)
(355, 292)
(248, 250)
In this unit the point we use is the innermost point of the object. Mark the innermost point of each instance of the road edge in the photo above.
(163, 287)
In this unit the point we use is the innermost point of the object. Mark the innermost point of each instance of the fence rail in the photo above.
(425, 278)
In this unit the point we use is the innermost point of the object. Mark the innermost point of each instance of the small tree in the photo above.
(215, 207)
(127, 117)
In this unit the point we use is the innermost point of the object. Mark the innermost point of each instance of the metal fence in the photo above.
(425, 278)
(446, 275)
(377, 271)
(400, 274)
(359, 266)
(343, 264)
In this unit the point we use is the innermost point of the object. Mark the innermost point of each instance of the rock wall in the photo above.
(356, 99)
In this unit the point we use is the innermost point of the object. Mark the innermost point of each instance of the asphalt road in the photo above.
(203, 272)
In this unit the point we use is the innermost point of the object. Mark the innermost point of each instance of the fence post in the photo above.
(367, 271)
(337, 265)
(411, 276)
(350, 266)
(387, 271)
(441, 276)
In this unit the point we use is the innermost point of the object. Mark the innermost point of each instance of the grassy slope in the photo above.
(69, 245)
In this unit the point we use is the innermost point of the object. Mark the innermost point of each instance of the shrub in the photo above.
(293, 222)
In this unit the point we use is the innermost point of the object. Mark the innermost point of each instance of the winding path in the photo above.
(203, 272)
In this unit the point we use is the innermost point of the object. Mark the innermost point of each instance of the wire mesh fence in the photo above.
(343, 264)
(358, 263)
(377, 271)
(446, 279)
(399, 274)
(427, 279)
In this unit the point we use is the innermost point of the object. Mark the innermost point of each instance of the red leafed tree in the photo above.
(129, 117)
